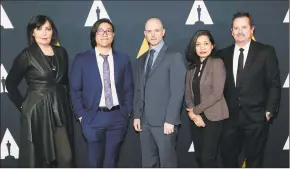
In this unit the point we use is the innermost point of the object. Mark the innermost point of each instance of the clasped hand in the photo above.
(197, 119)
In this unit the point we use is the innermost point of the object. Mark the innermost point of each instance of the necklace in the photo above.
(51, 62)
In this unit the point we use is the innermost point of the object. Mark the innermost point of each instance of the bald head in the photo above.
(154, 31)
(154, 21)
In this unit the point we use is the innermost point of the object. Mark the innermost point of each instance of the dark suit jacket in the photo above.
(86, 84)
(161, 98)
(259, 90)
(212, 82)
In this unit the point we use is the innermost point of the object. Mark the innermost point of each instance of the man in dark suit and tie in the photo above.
(101, 86)
(252, 91)
(158, 98)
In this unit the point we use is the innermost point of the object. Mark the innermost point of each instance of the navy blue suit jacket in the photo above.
(86, 84)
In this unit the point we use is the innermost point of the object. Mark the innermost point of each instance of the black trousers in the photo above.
(206, 142)
(252, 135)
(62, 149)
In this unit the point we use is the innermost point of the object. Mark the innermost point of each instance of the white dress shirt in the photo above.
(100, 61)
(236, 58)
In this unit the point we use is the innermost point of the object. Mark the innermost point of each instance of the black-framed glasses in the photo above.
(102, 31)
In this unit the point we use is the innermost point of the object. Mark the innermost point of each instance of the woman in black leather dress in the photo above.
(46, 116)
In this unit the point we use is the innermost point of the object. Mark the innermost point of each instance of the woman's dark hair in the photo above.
(95, 28)
(37, 22)
(191, 55)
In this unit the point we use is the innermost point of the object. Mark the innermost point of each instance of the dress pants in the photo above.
(206, 142)
(35, 157)
(158, 149)
(63, 150)
(240, 131)
(104, 136)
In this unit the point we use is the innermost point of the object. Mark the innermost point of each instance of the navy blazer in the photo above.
(86, 85)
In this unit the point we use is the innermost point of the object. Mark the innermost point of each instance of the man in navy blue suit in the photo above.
(101, 85)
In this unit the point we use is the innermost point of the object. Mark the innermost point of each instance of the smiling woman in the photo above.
(46, 117)
(205, 101)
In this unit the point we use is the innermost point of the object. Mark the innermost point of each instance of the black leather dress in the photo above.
(45, 106)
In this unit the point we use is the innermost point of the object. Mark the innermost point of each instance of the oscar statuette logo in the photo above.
(199, 14)
(98, 11)
(9, 148)
(3, 76)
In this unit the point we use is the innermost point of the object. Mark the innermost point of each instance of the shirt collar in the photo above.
(246, 47)
(98, 53)
(158, 47)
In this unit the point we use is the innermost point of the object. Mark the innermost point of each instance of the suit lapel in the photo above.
(141, 72)
(192, 72)
(251, 57)
(142, 61)
(93, 63)
(116, 67)
(159, 59)
(230, 60)
(206, 70)
(249, 61)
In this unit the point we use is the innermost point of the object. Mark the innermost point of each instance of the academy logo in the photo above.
(286, 83)
(3, 79)
(286, 19)
(144, 48)
(191, 148)
(98, 11)
(9, 148)
(199, 14)
(286, 146)
(5, 21)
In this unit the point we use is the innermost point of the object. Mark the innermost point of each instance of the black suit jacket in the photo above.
(259, 90)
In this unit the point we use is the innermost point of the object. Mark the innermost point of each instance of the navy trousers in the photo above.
(104, 136)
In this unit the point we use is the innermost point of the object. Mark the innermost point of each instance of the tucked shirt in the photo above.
(236, 58)
(100, 61)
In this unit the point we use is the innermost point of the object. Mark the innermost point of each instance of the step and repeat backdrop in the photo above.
(181, 20)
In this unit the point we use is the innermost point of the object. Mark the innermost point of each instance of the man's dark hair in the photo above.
(243, 14)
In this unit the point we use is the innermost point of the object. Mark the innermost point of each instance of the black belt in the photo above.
(106, 109)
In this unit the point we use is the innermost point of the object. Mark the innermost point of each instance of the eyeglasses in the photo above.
(155, 31)
(102, 32)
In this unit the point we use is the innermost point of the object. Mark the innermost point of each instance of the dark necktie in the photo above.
(149, 63)
(240, 66)
(107, 82)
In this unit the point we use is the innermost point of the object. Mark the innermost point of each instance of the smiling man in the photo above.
(101, 86)
(252, 91)
(159, 91)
